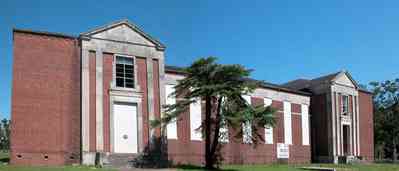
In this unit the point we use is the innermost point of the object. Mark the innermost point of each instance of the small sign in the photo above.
(283, 151)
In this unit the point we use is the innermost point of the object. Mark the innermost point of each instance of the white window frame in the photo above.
(113, 82)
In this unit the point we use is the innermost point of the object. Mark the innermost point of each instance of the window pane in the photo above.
(119, 74)
(119, 67)
(129, 83)
(120, 82)
(119, 60)
(129, 61)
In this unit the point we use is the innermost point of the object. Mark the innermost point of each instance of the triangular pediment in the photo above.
(123, 31)
(344, 78)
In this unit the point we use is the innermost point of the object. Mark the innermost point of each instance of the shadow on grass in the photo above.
(4, 160)
(193, 167)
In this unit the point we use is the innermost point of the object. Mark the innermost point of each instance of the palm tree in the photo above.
(221, 87)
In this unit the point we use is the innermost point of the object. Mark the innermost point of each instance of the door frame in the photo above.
(132, 98)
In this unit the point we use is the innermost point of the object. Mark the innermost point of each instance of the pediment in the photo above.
(344, 78)
(124, 31)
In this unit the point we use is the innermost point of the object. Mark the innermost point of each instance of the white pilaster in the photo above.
(99, 101)
(334, 121)
(357, 125)
(85, 101)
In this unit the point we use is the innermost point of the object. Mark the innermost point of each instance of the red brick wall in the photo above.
(185, 151)
(142, 81)
(45, 109)
(366, 126)
(92, 100)
(107, 79)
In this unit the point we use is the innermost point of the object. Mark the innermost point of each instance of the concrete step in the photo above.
(118, 160)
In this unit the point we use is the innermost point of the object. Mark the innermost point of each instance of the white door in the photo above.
(125, 128)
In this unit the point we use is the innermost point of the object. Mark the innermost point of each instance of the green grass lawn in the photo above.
(282, 167)
(275, 167)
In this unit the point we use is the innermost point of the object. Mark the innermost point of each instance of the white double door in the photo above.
(125, 128)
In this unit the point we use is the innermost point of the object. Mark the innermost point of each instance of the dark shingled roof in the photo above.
(300, 84)
(180, 70)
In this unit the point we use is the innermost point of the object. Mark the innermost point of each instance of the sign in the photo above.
(283, 151)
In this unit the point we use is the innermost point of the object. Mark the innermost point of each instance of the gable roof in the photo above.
(300, 84)
(131, 25)
(263, 84)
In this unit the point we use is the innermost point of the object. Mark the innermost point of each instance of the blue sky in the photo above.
(281, 40)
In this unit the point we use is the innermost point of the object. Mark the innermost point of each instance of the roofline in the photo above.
(365, 91)
(157, 43)
(45, 33)
(262, 85)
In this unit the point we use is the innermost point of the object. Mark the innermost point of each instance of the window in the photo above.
(124, 68)
(345, 104)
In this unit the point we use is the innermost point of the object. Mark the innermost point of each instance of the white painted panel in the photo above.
(287, 123)
(268, 129)
(195, 120)
(246, 127)
(267, 101)
(224, 134)
(125, 128)
(247, 133)
(223, 130)
(247, 98)
(170, 100)
(268, 135)
(305, 124)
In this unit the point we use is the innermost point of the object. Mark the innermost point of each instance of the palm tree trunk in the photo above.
(395, 151)
(208, 155)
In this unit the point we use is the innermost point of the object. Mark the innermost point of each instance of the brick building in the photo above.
(78, 97)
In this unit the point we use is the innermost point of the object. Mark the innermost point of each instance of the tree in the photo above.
(5, 134)
(221, 87)
(386, 118)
